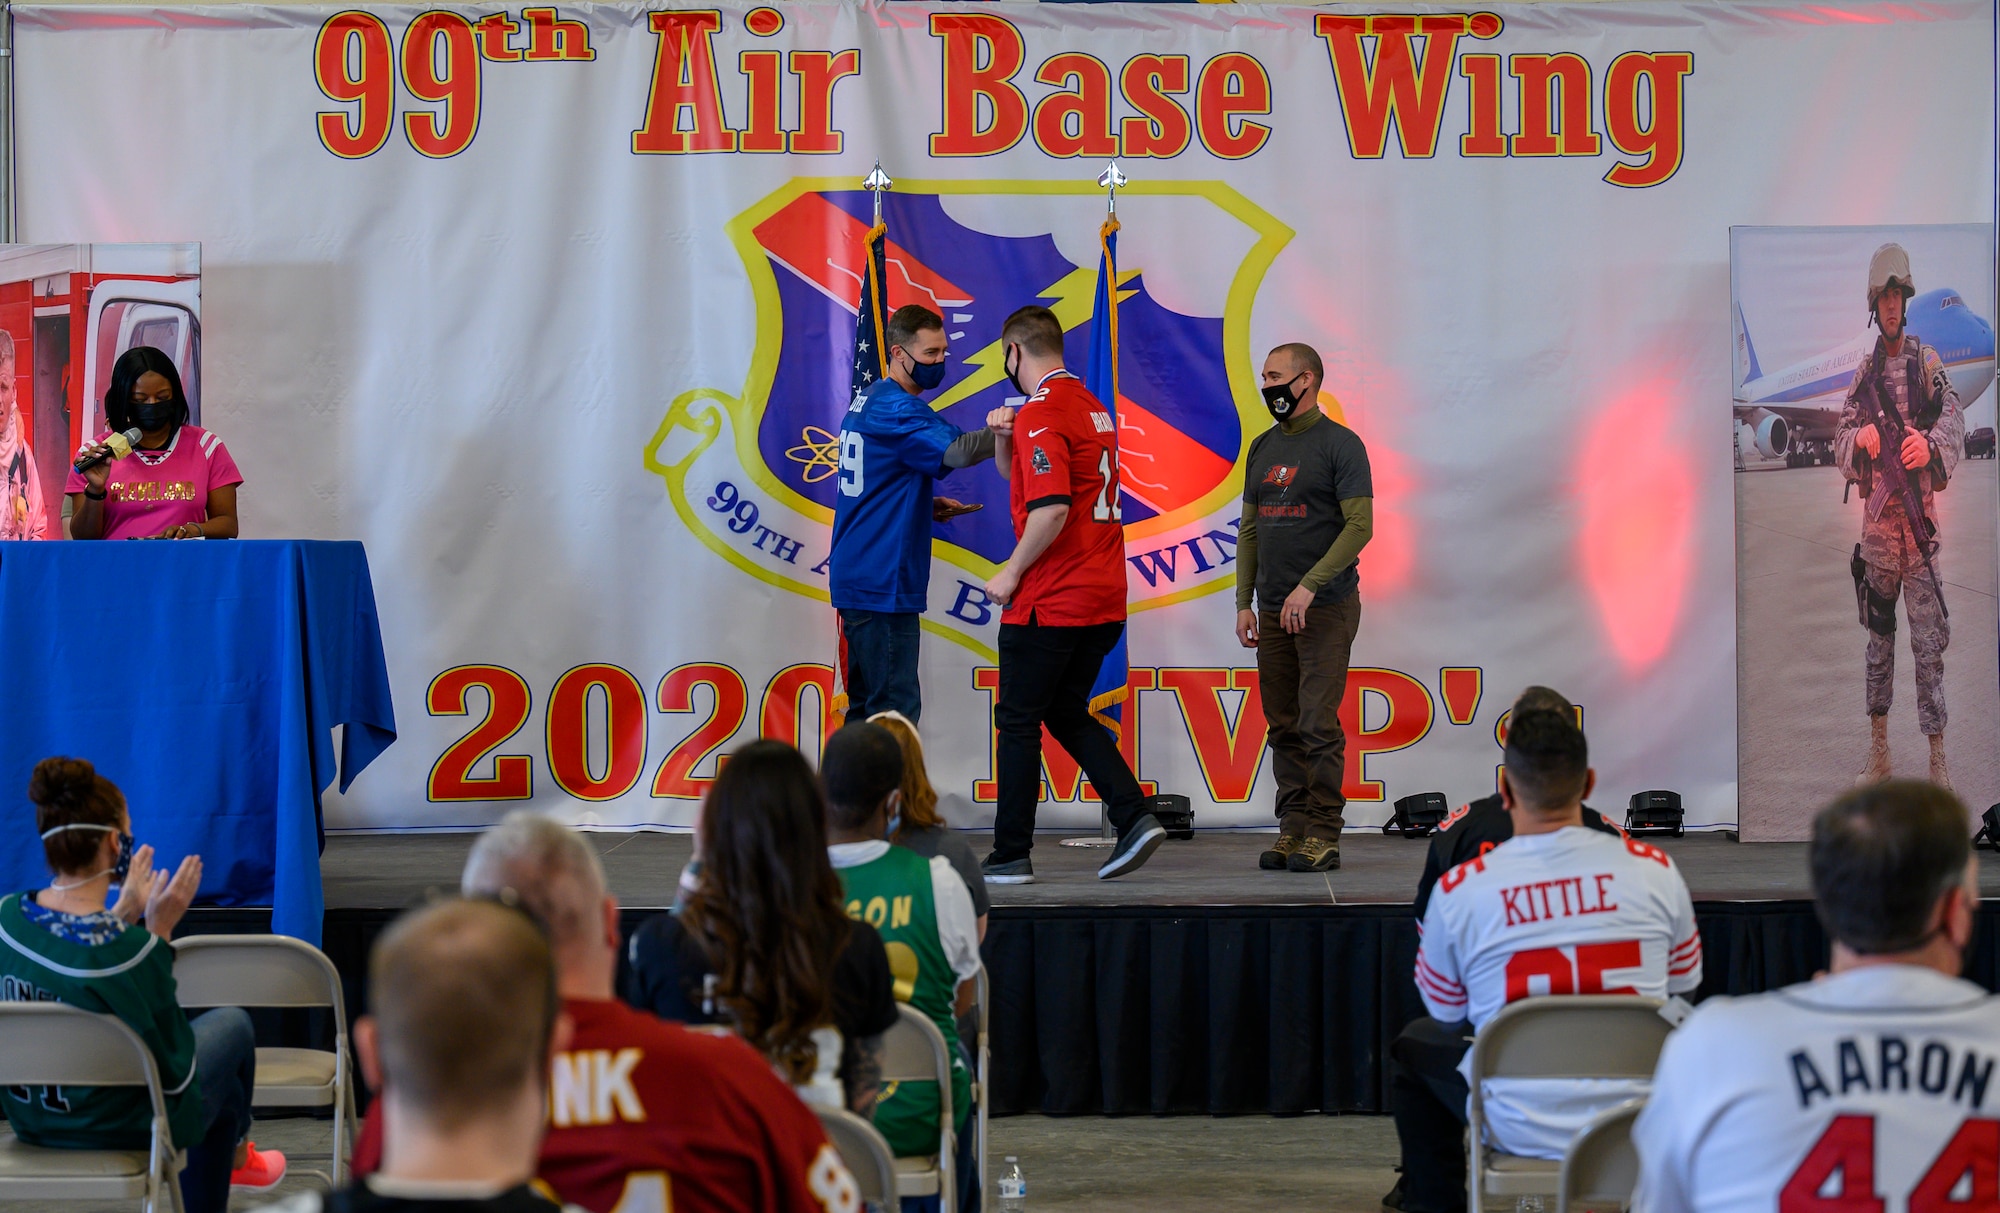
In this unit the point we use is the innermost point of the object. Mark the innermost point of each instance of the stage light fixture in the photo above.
(1418, 816)
(1655, 812)
(1175, 812)
(1989, 829)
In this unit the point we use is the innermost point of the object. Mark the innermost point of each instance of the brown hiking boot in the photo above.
(1939, 775)
(1877, 769)
(1274, 859)
(1314, 855)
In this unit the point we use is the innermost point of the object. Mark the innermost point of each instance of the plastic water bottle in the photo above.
(1013, 1187)
(1528, 1204)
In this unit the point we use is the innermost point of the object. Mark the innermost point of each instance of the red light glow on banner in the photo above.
(1636, 488)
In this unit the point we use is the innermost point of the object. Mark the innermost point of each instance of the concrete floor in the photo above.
(1802, 728)
(1250, 1164)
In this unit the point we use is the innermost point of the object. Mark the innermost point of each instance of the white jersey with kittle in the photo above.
(1574, 911)
(1871, 1091)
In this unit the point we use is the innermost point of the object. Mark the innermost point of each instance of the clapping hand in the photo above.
(169, 899)
(137, 888)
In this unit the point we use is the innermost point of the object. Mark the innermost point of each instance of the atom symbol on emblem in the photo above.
(819, 452)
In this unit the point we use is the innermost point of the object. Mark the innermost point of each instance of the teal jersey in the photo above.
(894, 894)
(131, 977)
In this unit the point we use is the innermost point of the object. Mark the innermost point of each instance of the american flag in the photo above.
(871, 323)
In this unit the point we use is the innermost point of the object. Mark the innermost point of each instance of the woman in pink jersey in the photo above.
(179, 481)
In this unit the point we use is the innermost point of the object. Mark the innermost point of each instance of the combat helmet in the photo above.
(1890, 266)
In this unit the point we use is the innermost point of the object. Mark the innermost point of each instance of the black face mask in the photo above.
(155, 415)
(1278, 397)
(1013, 373)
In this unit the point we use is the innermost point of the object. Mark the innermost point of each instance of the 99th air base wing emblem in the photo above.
(753, 474)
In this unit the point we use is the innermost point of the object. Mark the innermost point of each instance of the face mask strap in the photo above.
(81, 825)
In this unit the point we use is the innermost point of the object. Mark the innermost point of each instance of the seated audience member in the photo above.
(1477, 827)
(1867, 1088)
(1557, 909)
(179, 481)
(924, 914)
(761, 943)
(22, 514)
(923, 831)
(633, 1097)
(463, 1022)
(65, 945)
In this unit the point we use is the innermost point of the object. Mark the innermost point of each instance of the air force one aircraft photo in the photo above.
(1792, 414)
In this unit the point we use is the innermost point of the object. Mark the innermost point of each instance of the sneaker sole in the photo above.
(1135, 858)
(1028, 879)
(1331, 864)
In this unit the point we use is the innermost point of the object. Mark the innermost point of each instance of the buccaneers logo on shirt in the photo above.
(1281, 475)
(1041, 462)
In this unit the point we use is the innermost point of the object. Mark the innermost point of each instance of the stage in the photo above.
(1199, 984)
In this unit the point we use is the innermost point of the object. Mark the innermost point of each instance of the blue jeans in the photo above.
(882, 663)
(225, 1066)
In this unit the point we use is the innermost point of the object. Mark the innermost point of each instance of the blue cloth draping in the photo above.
(205, 680)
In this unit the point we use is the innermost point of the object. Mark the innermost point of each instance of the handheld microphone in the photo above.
(117, 447)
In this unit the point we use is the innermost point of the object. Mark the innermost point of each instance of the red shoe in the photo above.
(260, 1172)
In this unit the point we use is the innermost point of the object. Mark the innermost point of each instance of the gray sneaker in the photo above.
(1134, 847)
(1013, 871)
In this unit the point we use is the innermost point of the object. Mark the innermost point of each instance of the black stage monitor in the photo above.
(1657, 812)
(1418, 816)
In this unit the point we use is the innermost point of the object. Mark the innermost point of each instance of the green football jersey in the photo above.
(131, 977)
(894, 894)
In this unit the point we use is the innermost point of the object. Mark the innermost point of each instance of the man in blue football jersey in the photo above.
(893, 447)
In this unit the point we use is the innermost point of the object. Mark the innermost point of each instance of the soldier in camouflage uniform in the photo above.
(1890, 558)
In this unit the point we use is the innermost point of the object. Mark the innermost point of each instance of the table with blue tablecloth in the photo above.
(205, 679)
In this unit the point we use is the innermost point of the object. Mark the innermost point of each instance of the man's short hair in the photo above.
(546, 867)
(464, 997)
(6, 346)
(861, 764)
(1547, 759)
(1304, 357)
(1882, 857)
(1543, 699)
(1035, 329)
(906, 322)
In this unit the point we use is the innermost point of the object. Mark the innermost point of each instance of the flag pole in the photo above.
(1109, 181)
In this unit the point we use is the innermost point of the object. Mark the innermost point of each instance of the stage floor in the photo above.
(1217, 868)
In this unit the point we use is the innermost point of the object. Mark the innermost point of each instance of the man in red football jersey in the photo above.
(1064, 593)
(645, 1115)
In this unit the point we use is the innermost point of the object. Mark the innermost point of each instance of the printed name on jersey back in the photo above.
(1892, 1063)
(1564, 897)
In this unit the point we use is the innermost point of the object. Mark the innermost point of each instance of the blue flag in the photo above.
(1100, 375)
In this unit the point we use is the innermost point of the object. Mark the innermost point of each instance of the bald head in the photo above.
(551, 870)
(462, 995)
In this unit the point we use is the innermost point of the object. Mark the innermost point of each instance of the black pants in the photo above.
(1427, 1097)
(1045, 678)
(882, 651)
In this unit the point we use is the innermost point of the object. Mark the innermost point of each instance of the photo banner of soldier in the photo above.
(554, 308)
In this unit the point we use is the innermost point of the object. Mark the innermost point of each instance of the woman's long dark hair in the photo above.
(125, 374)
(768, 912)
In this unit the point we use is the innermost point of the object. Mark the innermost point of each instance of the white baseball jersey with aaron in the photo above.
(1575, 911)
(1871, 1091)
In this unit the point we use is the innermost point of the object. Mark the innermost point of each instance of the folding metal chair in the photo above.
(982, 1093)
(279, 971)
(49, 1044)
(1601, 1167)
(1565, 1036)
(867, 1155)
(915, 1051)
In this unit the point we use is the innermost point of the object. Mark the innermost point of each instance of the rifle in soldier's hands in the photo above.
(1878, 409)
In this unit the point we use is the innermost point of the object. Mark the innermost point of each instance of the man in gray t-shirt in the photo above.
(1308, 507)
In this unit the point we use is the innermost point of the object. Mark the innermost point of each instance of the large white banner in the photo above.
(552, 307)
